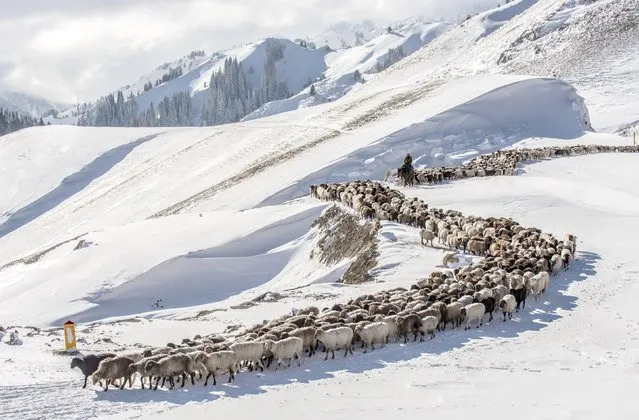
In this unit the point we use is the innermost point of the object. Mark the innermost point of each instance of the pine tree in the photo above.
(11, 121)
(393, 56)
(312, 91)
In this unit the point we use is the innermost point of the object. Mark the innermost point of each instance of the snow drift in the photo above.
(206, 276)
(509, 114)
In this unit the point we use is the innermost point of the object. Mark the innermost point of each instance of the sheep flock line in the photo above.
(518, 263)
(504, 162)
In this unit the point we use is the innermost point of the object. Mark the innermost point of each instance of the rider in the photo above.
(408, 160)
(408, 166)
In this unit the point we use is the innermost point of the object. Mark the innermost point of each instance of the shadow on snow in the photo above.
(206, 276)
(70, 186)
(490, 122)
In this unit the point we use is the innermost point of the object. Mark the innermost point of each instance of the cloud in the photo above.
(86, 48)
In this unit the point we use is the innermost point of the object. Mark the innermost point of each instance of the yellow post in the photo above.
(69, 336)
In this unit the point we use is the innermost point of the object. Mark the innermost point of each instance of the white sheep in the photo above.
(507, 304)
(538, 284)
(170, 366)
(288, 348)
(139, 367)
(426, 236)
(515, 281)
(465, 300)
(135, 356)
(483, 294)
(473, 312)
(499, 292)
(112, 369)
(391, 322)
(249, 352)
(199, 367)
(428, 326)
(376, 332)
(476, 246)
(431, 225)
(527, 276)
(572, 241)
(442, 236)
(453, 241)
(453, 311)
(555, 264)
(307, 334)
(335, 339)
(161, 350)
(220, 361)
(566, 258)
(570, 246)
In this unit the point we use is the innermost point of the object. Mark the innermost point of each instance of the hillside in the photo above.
(538, 39)
(592, 45)
(150, 236)
(259, 91)
(343, 35)
(348, 69)
(28, 104)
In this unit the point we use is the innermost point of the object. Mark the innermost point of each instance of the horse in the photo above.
(407, 175)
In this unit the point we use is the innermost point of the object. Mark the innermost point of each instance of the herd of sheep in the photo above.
(518, 263)
(504, 162)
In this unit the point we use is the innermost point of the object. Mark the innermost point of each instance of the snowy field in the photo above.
(149, 236)
(574, 349)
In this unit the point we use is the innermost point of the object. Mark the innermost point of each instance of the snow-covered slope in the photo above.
(298, 65)
(553, 345)
(339, 77)
(167, 171)
(172, 171)
(549, 38)
(162, 172)
(346, 35)
(555, 349)
(28, 104)
(592, 44)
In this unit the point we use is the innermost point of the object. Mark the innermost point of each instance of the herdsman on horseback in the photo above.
(408, 161)
(407, 172)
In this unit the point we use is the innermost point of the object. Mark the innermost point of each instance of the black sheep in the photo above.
(489, 305)
(89, 364)
(520, 296)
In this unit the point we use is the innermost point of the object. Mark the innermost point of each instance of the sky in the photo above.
(77, 50)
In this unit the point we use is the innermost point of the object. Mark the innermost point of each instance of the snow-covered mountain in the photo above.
(271, 68)
(545, 49)
(344, 35)
(592, 44)
(348, 68)
(28, 104)
(333, 73)
(145, 236)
